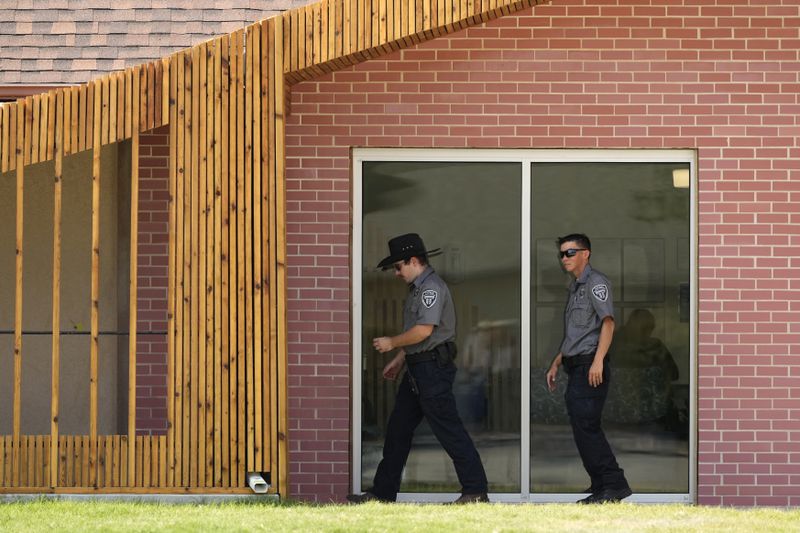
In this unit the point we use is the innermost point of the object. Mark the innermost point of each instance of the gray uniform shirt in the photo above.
(589, 302)
(429, 302)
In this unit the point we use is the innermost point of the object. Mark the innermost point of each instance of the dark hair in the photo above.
(578, 238)
(423, 259)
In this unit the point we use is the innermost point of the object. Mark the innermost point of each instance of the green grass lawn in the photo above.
(47, 515)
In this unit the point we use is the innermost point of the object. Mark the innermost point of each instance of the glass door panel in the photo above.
(474, 212)
(638, 220)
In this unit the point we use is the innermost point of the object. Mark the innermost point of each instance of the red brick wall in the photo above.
(720, 76)
(151, 358)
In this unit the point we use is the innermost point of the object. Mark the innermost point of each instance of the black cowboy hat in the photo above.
(405, 247)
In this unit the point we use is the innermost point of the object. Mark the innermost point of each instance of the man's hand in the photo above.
(551, 377)
(596, 373)
(393, 367)
(383, 344)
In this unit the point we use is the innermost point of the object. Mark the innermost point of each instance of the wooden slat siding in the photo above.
(104, 109)
(133, 281)
(27, 128)
(261, 65)
(5, 145)
(95, 283)
(201, 247)
(178, 296)
(166, 89)
(20, 198)
(188, 326)
(239, 254)
(52, 108)
(172, 368)
(274, 78)
(112, 108)
(254, 208)
(152, 96)
(158, 88)
(147, 453)
(247, 245)
(138, 474)
(119, 105)
(207, 243)
(279, 259)
(86, 460)
(66, 454)
(124, 480)
(224, 317)
(195, 473)
(55, 366)
(32, 145)
(219, 454)
(116, 466)
(90, 115)
(143, 97)
(160, 463)
(75, 96)
(231, 255)
(108, 460)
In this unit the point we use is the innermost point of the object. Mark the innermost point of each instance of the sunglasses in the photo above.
(399, 266)
(570, 252)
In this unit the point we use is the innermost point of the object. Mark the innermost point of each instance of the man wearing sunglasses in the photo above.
(426, 347)
(588, 329)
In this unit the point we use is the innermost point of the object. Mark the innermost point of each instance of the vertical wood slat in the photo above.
(247, 293)
(273, 77)
(95, 285)
(32, 144)
(218, 455)
(49, 136)
(133, 275)
(232, 287)
(279, 259)
(202, 249)
(224, 319)
(239, 248)
(171, 274)
(56, 316)
(196, 472)
(18, 295)
(255, 209)
(180, 242)
(210, 249)
(189, 394)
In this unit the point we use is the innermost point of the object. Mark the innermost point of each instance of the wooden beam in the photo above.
(21, 113)
(95, 286)
(133, 282)
(56, 322)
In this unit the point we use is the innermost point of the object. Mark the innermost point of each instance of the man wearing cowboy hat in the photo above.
(426, 347)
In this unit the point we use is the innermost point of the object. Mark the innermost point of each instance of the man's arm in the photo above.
(553, 371)
(415, 335)
(603, 344)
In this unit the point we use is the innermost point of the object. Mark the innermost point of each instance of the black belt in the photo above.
(437, 353)
(577, 360)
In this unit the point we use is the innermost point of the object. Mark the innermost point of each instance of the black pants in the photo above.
(585, 408)
(434, 401)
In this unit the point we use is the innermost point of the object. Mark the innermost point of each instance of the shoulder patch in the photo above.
(429, 297)
(600, 292)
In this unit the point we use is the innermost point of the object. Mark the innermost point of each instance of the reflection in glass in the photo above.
(473, 212)
(639, 225)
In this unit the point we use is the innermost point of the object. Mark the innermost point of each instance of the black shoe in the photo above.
(362, 498)
(613, 495)
(481, 497)
(591, 498)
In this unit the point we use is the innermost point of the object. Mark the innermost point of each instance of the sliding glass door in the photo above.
(496, 215)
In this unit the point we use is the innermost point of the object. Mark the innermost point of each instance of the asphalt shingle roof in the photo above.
(72, 41)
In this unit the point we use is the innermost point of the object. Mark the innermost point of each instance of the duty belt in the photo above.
(445, 351)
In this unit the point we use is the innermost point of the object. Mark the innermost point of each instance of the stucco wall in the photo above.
(719, 76)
